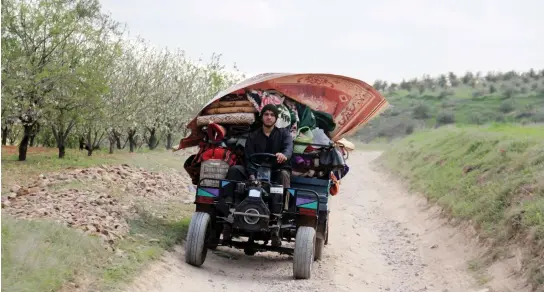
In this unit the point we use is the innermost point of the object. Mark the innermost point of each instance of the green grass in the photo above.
(45, 256)
(42, 255)
(149, 237)
(492, 175)
(468, 105)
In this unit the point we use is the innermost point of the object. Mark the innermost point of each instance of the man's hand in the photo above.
(281, 157)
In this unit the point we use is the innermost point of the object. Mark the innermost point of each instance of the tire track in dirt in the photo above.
(381, 239)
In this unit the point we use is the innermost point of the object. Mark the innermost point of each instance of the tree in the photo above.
(378, 85)
(393, 87)
(509, 75)
(442, 81)
(532, 74)
(467, 78)
(405, 85)
(46, 46)
(428, 81)
(453, 79)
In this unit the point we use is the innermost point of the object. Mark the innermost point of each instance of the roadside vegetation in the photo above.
(473, 144)
(471, 100)
(79, 93)
(42, 254)
(491, 176)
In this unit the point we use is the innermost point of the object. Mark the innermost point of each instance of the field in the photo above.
(46, 254)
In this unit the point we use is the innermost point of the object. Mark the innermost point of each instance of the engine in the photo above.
(252, 214)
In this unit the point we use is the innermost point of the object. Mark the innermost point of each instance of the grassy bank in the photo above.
(492, 175)
(46, 256)
(42, 255)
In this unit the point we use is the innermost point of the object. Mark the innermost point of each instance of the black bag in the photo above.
(331, 158)
(192, 168)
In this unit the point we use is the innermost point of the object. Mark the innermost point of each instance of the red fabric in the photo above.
(335, 185)
(351, 102)
(216, 152)
(216, 132)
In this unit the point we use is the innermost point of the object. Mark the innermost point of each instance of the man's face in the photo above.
(269, 119)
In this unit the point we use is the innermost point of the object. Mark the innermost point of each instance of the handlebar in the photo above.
(270, 159)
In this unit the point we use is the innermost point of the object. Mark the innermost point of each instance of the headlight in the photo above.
(276, 190)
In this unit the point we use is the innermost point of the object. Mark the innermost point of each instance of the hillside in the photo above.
(472, 99)
(489, 176)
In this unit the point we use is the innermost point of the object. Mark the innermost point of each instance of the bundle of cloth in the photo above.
(227, 122)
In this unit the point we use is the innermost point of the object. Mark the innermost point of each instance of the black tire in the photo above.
(327, 233)
(215, 237)
(199, 232)
(319, 246)
(320, 243)
(304, 252)
(250, 251)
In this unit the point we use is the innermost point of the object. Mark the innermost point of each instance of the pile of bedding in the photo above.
(227, 122)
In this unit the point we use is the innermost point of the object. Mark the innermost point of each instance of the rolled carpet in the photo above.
(229, 110)
(229, 119)
(235, 103)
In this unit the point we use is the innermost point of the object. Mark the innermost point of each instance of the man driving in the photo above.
(267, 139)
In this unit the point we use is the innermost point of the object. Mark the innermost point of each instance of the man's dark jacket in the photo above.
(279, 141)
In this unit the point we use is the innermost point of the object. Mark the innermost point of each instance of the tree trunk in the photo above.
(113, 141)
(23, 147)
(168, 141)
(62, 149)
(35, 131)
(81, 143)
(60, 136)
(152, 142)
(131, 140)
(5, 131)
(117, 139)
(125, 144)
(90, 151)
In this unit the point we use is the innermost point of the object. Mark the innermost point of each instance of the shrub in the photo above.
(506, 106)
(444, 118)
(421, 111)
(508, 92)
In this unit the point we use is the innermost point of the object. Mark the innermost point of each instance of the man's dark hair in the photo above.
(272, 108)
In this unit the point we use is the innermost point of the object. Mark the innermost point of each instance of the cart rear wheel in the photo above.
(197, 236)
(304, 252)
(319, 246)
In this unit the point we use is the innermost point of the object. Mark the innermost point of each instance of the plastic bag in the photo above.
(319, 137)
(305, 135)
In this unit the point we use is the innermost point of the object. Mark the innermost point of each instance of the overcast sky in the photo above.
(386, 39)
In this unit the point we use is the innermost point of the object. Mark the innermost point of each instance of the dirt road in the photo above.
(381, 239)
